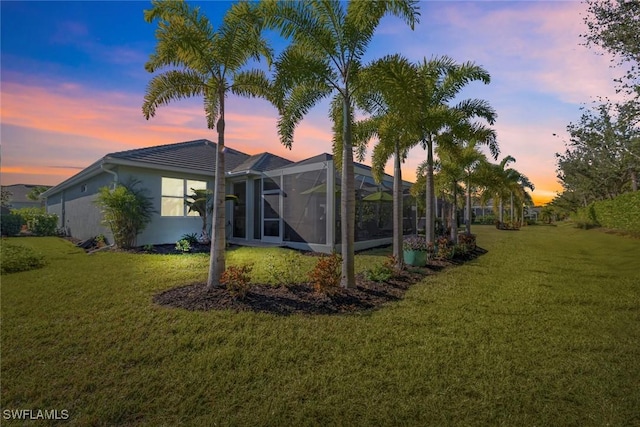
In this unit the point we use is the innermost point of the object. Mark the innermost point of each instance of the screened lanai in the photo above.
(299, 206)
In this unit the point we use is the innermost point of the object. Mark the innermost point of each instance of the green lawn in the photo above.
(542, 330)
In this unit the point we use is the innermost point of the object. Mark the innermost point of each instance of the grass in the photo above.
(542, 330)
(17, 258)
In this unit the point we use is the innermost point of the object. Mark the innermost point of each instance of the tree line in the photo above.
(602, 157)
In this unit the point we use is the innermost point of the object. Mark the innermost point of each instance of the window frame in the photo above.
(167, 194)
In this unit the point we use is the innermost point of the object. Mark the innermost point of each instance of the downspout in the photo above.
(115, 175)
(113, 187)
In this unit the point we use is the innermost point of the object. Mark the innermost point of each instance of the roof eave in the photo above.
(88, 172)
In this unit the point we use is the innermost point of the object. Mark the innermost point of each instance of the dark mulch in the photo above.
(301, 298)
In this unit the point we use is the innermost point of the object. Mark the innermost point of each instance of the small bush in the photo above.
(29, 216)
(19, 258)
(126, 210)
(285, 270)
(445, 249)
(486, 220)
(379, 273)
(467, 242)
(45, 225)
(183, 246)
(192, 238)
(149, 248)
(11, 224)
(237, 280)
(325, 276)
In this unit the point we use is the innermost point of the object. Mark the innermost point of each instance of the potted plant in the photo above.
(416, 250)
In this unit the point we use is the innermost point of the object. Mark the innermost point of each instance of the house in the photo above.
(19, 199)
(277, 201)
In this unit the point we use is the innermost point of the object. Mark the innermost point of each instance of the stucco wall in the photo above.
(76, 210)
(162, 230)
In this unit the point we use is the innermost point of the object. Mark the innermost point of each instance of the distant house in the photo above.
(19, 199)
(277, 201)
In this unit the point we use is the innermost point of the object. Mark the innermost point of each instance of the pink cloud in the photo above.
(66, 118)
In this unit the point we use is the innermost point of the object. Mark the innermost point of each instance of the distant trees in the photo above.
(36, 191)
(615, 26)
(602, 158)
(5, 198)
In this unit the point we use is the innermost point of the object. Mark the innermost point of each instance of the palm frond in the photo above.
(299, 101)
(170, 86)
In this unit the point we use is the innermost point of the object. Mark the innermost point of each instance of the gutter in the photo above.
(115, 175)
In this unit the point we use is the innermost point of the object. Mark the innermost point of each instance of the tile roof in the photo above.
(197, 155)
(19, 192)
(262, 162)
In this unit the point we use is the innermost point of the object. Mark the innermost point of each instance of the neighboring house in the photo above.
(19, 199)
(277, 201)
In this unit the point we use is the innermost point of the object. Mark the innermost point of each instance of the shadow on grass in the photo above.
(301, 298)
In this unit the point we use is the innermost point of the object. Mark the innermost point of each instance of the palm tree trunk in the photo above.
(511, 209)
(218, 243)
(468, 219)
(501, 210)
(430, 205)
(634, 180)
(397, 210)
(454, 215)
(347, 201)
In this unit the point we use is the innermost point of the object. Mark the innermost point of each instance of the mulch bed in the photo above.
(300, 298)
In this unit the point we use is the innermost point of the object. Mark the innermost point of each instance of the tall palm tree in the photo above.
(328, 42)
(517, 183)
(442, 79)
(389, 79)
(495, 178)
(209, 63)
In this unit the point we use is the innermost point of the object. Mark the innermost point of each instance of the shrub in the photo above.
(325, 276)
(19, 258)
(149, 248)
(183, 246)
(285, 270)
(29, 216)
(485, 220)
(192, 238)
(467, 242)
(379, 273)
(45, 225)
(445, 249)
(620, 213)
(237, 280)
(126, 211)
(10, 224)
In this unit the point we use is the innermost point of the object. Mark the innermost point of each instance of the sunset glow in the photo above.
(72, 87)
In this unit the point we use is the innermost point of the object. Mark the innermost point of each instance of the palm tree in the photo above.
(502, 182)
(324, 57)
(208, 63)
(385, 98)
(442, 79)
(517, 183)
(495, 184)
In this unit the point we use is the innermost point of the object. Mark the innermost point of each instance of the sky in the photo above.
(72, 82)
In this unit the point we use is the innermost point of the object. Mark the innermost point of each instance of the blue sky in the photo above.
(73, 79)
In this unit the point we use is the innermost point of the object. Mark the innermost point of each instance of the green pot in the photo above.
(415, 258)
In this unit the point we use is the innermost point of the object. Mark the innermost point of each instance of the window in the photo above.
(174, 191)
(83, 188)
